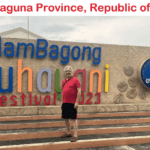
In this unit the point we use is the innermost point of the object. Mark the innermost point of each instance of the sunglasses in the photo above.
(68, 71)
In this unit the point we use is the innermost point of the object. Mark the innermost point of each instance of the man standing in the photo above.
(70, 98)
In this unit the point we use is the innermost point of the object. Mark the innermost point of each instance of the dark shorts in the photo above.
(68, 111)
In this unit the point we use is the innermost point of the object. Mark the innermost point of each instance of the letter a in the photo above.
(48, 89)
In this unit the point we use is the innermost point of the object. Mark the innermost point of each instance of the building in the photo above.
(20, 33)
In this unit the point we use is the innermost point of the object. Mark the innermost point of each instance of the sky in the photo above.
(103, 30)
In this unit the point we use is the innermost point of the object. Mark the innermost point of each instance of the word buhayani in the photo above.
(48, 89)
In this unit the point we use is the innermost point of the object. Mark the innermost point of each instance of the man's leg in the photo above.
(67, 122)
(75, 123)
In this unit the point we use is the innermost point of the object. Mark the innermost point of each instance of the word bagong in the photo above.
(47, 99)
(54, 53)
(48, 89)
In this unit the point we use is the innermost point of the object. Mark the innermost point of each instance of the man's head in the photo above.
(68, 71)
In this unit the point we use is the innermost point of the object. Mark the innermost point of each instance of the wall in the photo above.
(125, 91)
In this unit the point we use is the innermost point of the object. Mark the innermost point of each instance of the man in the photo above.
(70, 98)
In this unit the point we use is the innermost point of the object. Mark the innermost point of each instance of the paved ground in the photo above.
(109, 148)
(126, 147)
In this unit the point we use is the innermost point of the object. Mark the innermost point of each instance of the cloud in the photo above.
(10, 20)
(117, 30)
(9, 23)
(104, 30)
(57, 29)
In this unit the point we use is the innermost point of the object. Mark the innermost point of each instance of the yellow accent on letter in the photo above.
(106, 78)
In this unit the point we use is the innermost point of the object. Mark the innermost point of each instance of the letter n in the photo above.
(92, 71)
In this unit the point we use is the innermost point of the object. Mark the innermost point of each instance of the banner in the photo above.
(75, 8)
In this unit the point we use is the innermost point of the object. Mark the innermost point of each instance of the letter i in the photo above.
(106, 78)
(129, 7)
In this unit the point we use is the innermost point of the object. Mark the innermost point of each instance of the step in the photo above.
(19, 134)
(52, 129)
(80, 123)
(96, 115)
(89, 131)
(79, 119)
(80, 143)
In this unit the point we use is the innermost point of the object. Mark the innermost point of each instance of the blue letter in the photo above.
(10, 89)
(9, 48)
(83, 54)
(98, 59)
(25, 49)
(54, 51)
(65, 57)
(0, 46)
(78, 56)
(41, 48)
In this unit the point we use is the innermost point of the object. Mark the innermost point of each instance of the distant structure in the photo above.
(20, 33)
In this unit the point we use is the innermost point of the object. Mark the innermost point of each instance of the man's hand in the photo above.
(76, 105)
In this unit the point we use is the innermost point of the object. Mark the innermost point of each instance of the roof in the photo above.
(20, 29)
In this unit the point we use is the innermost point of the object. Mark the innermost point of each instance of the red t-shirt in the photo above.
(70, 90)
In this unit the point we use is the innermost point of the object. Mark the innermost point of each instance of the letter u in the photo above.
(10, 88)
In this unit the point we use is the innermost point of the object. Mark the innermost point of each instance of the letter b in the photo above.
(41, 48)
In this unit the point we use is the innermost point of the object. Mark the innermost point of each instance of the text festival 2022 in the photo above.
(53, 54)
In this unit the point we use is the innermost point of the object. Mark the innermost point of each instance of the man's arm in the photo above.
(78, 97)
(61, 100)
(61, 97)
(78, 94)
